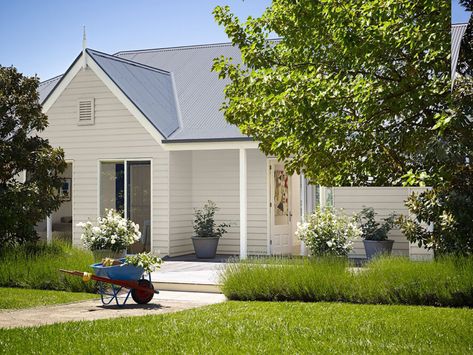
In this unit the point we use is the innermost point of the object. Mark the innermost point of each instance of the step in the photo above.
(186, 287)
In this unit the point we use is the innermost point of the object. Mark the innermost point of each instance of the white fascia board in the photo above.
(63, 84)
(124, 100)
(210, 145)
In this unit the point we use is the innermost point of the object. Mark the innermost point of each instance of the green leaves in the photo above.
(23, 205)
(349, 92)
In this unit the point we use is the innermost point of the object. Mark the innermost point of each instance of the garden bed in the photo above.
(37, 266)
(389, 280)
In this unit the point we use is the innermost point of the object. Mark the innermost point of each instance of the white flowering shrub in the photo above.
(147, 261)
(327, 232)
(111, 232)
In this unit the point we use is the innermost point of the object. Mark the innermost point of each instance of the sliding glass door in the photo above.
(126, 187)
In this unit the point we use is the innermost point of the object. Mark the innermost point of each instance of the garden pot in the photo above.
(107, 253)
(205, 247)
(376, 247)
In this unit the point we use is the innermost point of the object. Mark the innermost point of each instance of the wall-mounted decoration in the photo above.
(281, 193)
(65, 190)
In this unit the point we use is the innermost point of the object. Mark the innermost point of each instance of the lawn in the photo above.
(16, 298)
(259, 327)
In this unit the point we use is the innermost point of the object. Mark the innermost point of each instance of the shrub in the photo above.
(112, 232)
(204, 222)
(328, 233)
(447, 281)
(372, 230)
(448, 209)
(37, 266)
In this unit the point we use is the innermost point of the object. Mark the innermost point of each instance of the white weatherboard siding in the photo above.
(384, 200)
(214, 175)
(116, 135)
(180, 185)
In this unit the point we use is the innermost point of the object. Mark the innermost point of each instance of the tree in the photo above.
(352, 93)
(448, 207)
(23, 205)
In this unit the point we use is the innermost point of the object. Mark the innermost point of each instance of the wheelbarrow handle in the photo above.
(123, 283)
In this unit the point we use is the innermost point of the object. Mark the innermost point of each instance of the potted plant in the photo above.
(110, 237)
(206, 233)
(375, 234)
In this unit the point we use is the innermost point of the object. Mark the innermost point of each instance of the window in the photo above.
(125, 186)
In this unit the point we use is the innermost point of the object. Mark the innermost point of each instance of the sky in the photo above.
(459, 15)
(43, 37)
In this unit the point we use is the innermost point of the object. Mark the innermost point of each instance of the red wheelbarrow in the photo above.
(117, 278)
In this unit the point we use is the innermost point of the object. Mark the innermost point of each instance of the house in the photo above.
(142, 132)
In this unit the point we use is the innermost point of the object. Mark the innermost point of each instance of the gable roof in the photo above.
(458, 30)
(150, 89)
(199, 90)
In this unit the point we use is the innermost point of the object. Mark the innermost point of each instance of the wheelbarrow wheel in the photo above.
(142, 297)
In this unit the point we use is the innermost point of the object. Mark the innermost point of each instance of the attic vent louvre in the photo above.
(86, 112)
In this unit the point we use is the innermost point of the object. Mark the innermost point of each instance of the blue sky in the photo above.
(43, 37)
(459, 15)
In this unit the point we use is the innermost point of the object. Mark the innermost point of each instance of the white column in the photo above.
(304, 207)
(49, 230)
(243, 205)
(323, 197)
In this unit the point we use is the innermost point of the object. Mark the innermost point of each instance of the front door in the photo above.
(280, 205)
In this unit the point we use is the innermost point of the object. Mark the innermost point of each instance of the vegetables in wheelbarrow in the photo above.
(147, 261)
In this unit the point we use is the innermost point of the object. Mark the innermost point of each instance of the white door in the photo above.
(280, 205)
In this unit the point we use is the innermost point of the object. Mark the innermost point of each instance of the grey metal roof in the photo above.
(47, 86)
(458, 30)
(199, 90)
(150, 89)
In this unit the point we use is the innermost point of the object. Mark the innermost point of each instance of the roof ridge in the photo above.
(128, 61)
(184, 47)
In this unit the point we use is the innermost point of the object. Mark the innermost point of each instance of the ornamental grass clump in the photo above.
(112, 232)
(328, 232)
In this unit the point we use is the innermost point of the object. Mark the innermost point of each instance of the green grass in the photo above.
(17, 298)
(259, 328)
(388, 280)
(37, 267)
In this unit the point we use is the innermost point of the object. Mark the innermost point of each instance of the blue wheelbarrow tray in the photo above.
(124, 272)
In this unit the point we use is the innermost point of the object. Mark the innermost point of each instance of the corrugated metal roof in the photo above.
(150, 89)
(199, 90)
(47, 86)
(458, 31)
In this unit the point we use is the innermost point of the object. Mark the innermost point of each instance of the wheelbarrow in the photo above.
(117, 278)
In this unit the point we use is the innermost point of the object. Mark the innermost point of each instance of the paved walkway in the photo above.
(165, 302)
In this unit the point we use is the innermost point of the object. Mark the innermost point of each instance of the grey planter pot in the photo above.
(205, 247)
(376, 247)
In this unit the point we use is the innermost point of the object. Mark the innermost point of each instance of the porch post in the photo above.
(304, 207)
(243, 204)
(49, 230)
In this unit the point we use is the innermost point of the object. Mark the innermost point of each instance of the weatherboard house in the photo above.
(143, 132)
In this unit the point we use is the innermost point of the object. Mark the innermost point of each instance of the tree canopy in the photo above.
(24, 204)
(351, 93)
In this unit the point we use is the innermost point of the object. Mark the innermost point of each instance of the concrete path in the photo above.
(165, 302)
